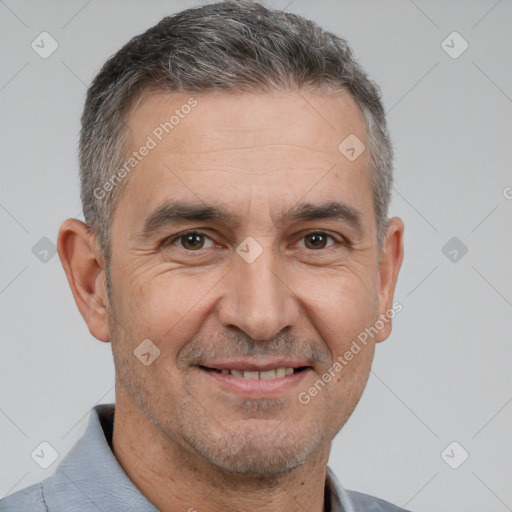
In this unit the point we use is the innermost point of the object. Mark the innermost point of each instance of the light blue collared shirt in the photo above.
(90, 479)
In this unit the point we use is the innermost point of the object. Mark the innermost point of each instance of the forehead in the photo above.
(264, 148)
(211, 122)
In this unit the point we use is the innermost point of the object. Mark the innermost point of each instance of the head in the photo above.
(227, 224)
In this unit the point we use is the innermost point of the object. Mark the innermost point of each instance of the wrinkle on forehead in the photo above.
(258, 148)
(285, 118)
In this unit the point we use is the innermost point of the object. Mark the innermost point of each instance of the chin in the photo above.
(255, 462)
(264, 452)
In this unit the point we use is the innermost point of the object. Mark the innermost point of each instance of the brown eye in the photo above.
(316, 240)
(192, 241)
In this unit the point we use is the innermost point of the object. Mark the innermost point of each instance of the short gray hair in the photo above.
(235, 47)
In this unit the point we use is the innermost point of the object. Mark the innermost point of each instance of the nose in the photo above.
(258, 299)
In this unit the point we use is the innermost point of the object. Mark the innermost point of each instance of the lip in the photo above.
(255, 366)
(257, 388)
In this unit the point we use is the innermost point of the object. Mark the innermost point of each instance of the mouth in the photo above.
(270, 374)
(255, 381)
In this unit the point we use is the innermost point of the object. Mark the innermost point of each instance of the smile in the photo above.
(255, 374)
(251, 381)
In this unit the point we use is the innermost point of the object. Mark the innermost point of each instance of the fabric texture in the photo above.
(90, 479)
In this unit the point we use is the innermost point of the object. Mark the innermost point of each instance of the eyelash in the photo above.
(170, 241)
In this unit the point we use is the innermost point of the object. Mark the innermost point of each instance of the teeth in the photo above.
(268, 374)
(264, 375)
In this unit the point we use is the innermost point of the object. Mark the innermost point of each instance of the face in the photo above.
(244, 248)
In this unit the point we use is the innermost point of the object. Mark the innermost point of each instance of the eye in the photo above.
(317, 240)
(191, 241)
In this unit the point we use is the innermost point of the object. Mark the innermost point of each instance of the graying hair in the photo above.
(233, 47)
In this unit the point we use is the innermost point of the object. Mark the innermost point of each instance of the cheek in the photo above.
(344, 309)
(341, 306)
(347, 388)
(167, 307)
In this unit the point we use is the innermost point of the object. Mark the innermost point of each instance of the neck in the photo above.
(173, 477)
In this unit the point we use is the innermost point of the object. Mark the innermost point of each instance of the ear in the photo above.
(79, 255)
(390, 261)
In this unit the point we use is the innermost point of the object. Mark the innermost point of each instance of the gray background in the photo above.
(443, 376)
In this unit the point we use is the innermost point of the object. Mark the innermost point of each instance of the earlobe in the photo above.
(85, 274)
(390, 261)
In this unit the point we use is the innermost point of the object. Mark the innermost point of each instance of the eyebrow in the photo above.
(175, 212)
(334, 210)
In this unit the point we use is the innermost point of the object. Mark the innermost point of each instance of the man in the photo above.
(236, 174)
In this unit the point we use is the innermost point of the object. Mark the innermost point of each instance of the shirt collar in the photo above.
(90, 476)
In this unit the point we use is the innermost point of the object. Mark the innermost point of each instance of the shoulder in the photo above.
(371, 504)
(30, 499)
